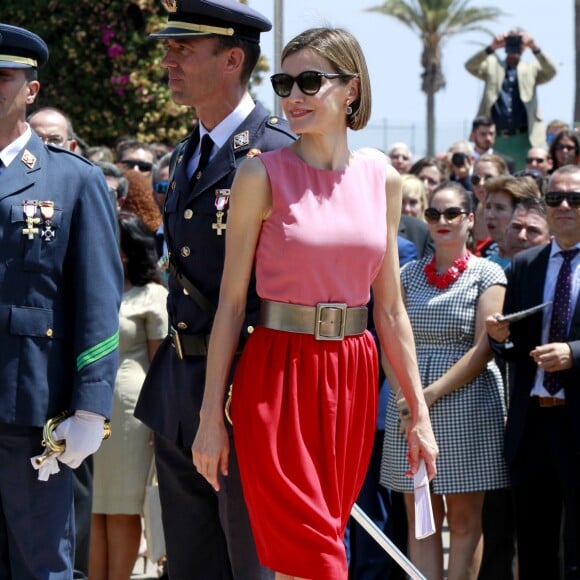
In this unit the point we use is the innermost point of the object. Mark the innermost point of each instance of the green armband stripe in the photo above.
(98, 351)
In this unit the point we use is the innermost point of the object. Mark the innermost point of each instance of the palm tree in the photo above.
(433, 21)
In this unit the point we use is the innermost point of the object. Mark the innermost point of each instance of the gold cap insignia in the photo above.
(170, 5)
(241, 139)
(28, 159)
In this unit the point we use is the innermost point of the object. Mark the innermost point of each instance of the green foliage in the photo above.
(102, 70)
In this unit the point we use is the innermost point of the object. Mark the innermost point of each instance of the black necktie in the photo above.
(560, 314)
(205, 150)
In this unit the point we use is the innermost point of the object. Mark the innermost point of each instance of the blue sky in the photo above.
(393, 57)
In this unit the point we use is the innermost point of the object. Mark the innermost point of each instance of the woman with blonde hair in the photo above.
(414, 196)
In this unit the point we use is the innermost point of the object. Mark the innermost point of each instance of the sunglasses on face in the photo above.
(564, 147)
(555, 198)
(309, 81)
(477, 179)
(161, 187)
(451, 214)
(142, 166)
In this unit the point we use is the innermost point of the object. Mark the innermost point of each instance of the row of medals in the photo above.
(38, 225)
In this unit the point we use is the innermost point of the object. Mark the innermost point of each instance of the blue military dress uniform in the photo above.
(171, 397)
(60, 291)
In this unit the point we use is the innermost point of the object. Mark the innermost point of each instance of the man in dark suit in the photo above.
(59, 303)
(212, 48)
(542, 441)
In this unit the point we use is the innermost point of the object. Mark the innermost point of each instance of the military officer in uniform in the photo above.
(59, 301)
(211, 49)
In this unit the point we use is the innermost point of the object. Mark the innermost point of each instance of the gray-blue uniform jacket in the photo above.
(60, 287)
(171, 396)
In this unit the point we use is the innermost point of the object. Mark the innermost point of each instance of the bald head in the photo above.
(53, 127)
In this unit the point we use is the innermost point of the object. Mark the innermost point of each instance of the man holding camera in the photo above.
(509, 96)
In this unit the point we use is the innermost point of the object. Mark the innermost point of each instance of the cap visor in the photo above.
(173, 32)
(10, 64)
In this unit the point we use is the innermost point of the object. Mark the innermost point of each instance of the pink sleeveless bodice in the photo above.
(326, 236)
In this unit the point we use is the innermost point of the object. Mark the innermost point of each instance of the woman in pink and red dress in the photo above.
(315, 220)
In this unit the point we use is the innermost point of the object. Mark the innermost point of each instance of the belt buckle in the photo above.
(324, 308)
(176, 340)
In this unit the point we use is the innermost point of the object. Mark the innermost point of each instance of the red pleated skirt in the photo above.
(304, 416)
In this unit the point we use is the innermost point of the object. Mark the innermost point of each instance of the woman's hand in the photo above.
(421, 443)
(211, 450)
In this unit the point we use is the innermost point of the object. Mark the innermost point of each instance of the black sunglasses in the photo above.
(451, 214)
(142, 166)
(161, 187)
(477, 179)
(309, 81)
(555, 198)
(564, 147)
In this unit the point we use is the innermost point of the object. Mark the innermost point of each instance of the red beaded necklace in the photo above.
(442, 281)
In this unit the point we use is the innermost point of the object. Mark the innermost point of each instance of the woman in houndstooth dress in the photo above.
(462, 386)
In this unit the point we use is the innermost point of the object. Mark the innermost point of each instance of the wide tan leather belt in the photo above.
(326, 320)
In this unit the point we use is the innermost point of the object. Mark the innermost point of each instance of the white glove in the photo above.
(83, 434)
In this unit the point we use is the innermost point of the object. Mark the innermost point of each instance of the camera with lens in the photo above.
(513, 44)
(458, 159)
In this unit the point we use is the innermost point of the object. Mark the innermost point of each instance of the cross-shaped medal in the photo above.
(30, 230)
(218, 225)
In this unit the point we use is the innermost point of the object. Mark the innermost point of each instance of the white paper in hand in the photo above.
(424, 522)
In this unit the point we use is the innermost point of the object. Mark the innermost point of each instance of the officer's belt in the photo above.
(326, 320)
(193, 344)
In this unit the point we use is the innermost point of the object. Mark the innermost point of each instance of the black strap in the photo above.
(206, 306)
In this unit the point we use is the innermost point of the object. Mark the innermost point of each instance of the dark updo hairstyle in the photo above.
(138, 245)
(466, 197)
(466, 203)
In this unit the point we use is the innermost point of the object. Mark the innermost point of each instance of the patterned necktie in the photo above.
(560, 314)
(205, 150)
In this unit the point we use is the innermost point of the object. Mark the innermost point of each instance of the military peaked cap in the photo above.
(201, 18)
(20, 48)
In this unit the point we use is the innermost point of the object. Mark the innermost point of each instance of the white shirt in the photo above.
(222, 132)
(554, 264)
(10, 152)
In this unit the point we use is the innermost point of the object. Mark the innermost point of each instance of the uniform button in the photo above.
(185, 292)
(185, 251)
(188, 214)
(172, 186)
(250, 329)
(182, 325)
(273, 120)
(49, 333)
